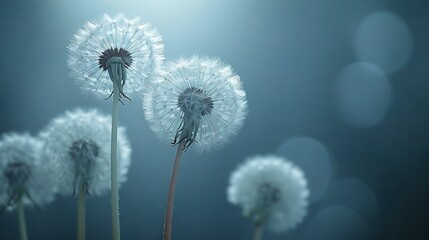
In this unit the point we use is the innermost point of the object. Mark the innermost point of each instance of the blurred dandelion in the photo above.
(198, 100)
(271, 191)
(24, 178)
(76, 145)
(113, 57)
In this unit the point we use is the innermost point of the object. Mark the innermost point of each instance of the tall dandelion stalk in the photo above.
(24, 177)
(77, 145)
(112, 57)
(197, 101)
(271, 191)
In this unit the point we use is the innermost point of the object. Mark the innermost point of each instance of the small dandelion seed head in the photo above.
(77, 144)
(23, 174)
(270, 190)
(137, 47)
(198, 100)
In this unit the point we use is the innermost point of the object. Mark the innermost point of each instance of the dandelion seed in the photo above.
(77, 145)
(197, 100)
(117, 50)
(24, 177)
(22, 171)
(271, 191)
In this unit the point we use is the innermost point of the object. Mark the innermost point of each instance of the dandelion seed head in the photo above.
(137, 47)
(198, 100)
(23, 173)
(77, 144)
(270, 190)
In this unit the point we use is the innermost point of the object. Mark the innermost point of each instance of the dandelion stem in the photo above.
(21, 220)
(81, 213)
(114, 166)
(257, 234)
(170, 202)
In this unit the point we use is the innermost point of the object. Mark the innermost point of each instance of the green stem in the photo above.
(168, 221)
(81, 213)
(257, 234)
(21, 220)
(114, 166)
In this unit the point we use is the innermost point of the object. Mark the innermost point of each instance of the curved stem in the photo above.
(81, 213)
(168, 221)
(21, 220)
(114, 166)
(257, 234)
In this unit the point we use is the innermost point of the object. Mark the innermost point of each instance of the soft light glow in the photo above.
(364, 94)
(314, 159)
(354, 193)
(337, 222)
(383, 38)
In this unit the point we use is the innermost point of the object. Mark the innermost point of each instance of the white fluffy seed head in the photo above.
(63, 134)
(270, 190)
(141, 41)
(22, 170)
(210, 117)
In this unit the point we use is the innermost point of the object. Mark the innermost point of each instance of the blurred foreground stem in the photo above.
(81, 213)
(21, 220)
(257, 234)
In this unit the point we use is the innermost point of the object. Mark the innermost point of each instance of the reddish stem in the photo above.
(168, 221)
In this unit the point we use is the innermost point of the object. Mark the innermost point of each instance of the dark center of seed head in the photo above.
(17, 173)
(84, 152)
(195, 101)
(269, 194)
(103, 59)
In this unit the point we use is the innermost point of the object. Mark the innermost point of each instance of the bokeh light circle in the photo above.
(356, 194)
(314, 159)
(364, 94)
(384, 39)
(336, 222)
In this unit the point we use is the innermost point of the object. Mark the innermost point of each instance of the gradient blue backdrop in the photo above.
(288, 53)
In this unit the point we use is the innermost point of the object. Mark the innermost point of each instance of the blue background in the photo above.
(288, 54)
